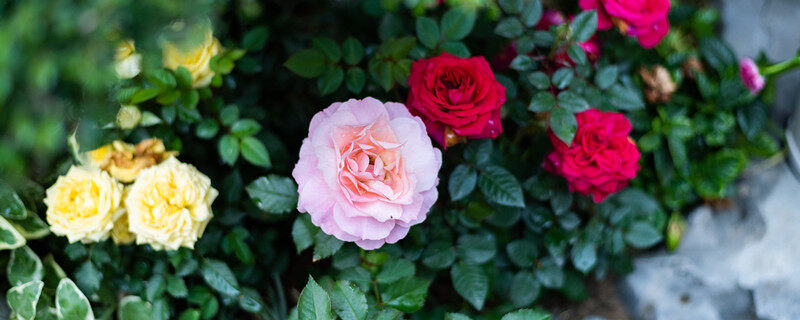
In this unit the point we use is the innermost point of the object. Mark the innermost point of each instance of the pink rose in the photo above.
(550, 17)
(646, 20)
(751, 78)
(367, 172)
(602, 158)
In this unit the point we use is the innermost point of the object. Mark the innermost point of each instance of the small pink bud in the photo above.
(751, 78)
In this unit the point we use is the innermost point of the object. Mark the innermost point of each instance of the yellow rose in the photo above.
(128, 62)
(124, 161)
(83, 204)
(195, 59)
(121, 233)
(169, 205)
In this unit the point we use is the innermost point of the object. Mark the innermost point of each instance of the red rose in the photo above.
(602, 158)
(457, 98)
(646, 20)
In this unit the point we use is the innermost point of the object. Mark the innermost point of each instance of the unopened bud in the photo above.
(128, 117)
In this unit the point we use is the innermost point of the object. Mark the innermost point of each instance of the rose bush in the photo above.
(233, 185)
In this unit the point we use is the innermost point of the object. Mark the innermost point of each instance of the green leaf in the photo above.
(228, 148)
(255, 38)
(255, 152)
(752, 119)
(531, 13)
(456, 316)
(162, 78)
(273, 193)
(144, 94)
(576, 53)
(526, 314)
(325, 245)
(71, 304)
(303, 232)
(428, 32)
(307, 63)
(183, 77)
(88, 277)
(511, 7)
(563, 124)
(439, 255)
(521, 63)
(229, 115)
(245, 127)
(471, 283)
(330, 80)
(540, 80)
(24, 266)
(583, 25)
(381, 70)
(219, 276)
(354, 79)
(176, 287)
(605, 77)
(149, 119)
(572, 102)
(250, 300)
(314, 303)
(134, 308)
(563, 77)
(457, 23)
(477, 248)
(624, 98)
(677, 150)
(522, 252)
(641, 235)
(407, 294)
(348, 302)
(550, 274)
(462, 182)
(501, 187)
(32, 227)
(206, 128)
(524, 289)
(190, 314)
(395, 270)
(352, 51)
(23, 299)
(509, 28)
(456, 48)
(584, 255)
(543, 101)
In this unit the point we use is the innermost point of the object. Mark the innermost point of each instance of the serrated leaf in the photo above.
(501, 187)
(428, 32)
(457, 23)
(348, 302)
(303, 232)
(577, 54)
(583, 25)
(542, 102)
(605, 77)
(539, 80)
(162, 78)
(642, 235)
(477, 248)
(144, 94)
(352, 51)
(255, 38)
(255, 152)
(325, 245)
(471, 283)
(563, 77)
(273, 193)
(354, 79)
(244, 127)
(624, 98)
(206, 128)
(219, 276)
(524, 289)
(509, 28)
(307, 63)
(462, 182)
(563, 124)
(572, 102)
(584, 255)
(330, 81)
(228, 148)
(438, 255)
(531, 13)
(456, 48)
(407, 294)
(395, 270)
(526, 314)
(550, 274)
(522, 252)
(314, 302)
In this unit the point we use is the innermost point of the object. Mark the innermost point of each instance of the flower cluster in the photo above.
(167, 203)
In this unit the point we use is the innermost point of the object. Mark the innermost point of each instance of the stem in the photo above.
(781, 67)
(377, 294)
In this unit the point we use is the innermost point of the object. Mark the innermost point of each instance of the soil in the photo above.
(603, 301)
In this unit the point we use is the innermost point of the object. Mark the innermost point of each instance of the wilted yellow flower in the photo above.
(121, 233)
(124, 161)
(169, 205)
(83, 204)
(128, 62)
(196, 59)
